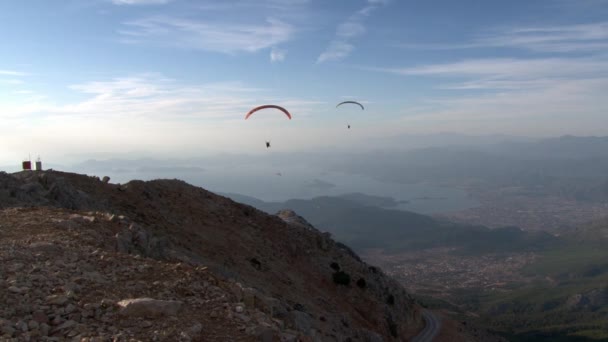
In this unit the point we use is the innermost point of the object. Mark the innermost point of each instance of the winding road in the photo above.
(431, 329)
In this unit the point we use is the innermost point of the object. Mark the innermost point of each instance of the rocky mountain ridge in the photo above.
(86, 260)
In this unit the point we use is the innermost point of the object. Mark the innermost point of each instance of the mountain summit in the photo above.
(84, 259)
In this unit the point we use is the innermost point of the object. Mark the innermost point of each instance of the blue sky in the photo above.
(177, 76)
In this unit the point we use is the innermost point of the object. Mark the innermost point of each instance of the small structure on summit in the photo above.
(27, 164)
(38, 164)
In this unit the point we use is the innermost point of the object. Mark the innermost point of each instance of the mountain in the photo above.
(364, 226)
(564, 147)
(164, 260)
(279, 272)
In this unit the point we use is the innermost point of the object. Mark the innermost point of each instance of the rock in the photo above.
(44, 329)
(66, 325)
(249, 297)
(323, 242)
(269, 305)
(265, 335)
(145, 324)
(7, 330)
(289, 337)
(32, 188)
(33, 325)
(300, 321)
(56, 299)
(237, 291)
(370, 336)
(15, 289)
(106, 303)
(21, 325)
(148, 307)
(95, 277)
(70, 308)
(57, 320)
(195, 330)
(239, 309)
(40, 317)
(82, 219)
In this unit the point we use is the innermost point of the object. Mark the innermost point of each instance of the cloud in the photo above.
(518, 96)
(337, 50)
(512, 68)
(140, 2)
(12, 73)
(341, 47)
(11, 81)
(556, 88)
(277, 55)
(221, 37)
(276, 5)
(152, 113)
(578, 38)
(153, 97)
(566, 107)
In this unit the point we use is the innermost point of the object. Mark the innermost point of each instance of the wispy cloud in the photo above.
(140, 2)
(277, 6)
(574, 106)
(341, 47)
(221, 37)
(556, 87)
(512, 68)
(579, 38)
(149, 112)
(154, 97)
(277, 55)
(12, 81)
(12, 73)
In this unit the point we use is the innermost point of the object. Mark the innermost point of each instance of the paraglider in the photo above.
(351, 102)
(268, 106)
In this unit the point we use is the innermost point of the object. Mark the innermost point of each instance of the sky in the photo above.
(176, 77)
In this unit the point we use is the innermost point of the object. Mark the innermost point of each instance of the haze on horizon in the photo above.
(175, 77)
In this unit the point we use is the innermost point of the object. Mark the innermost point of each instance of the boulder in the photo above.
(300, 321)
(148, 307)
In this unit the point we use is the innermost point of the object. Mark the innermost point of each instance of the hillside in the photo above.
(363, 226)
(75, 250)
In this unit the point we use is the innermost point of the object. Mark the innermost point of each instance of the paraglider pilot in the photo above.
(268, 144)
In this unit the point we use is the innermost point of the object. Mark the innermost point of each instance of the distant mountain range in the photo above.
(361, 222)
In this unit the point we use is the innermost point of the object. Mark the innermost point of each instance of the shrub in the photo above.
(392, 327)
(335, 266)
(390, 300)
(255, 263)
(361, 283)
(341, 278)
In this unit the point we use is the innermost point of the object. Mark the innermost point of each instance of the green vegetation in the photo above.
(341, 278)
(575, 259)
(390, 300)
(567, 302)
(392, 327)
(335, 266)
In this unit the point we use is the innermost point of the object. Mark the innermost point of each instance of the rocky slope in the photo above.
(87, 260)
(77, 247)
